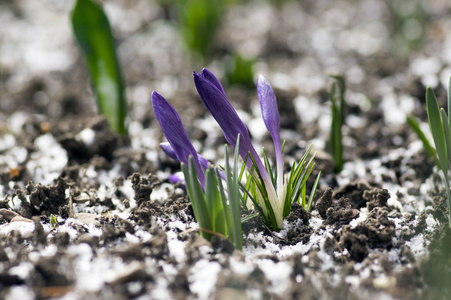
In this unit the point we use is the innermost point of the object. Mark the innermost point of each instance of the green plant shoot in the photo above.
(216, 212)
(295, 188)
(93, 33)
(199, 21)
(428, 149)
(440, 125)
(239, 71)
(335, 143)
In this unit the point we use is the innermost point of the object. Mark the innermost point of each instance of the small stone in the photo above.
(134, 272)
(384, 282)
(8, 215)
(89, 219)
(20, 219)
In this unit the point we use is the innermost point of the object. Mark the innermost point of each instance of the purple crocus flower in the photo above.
(175, 133)
(270, 114)
(213, 96)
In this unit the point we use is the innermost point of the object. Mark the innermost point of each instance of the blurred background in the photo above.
(383, 48)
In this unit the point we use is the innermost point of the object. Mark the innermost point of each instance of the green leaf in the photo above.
(437, 130)
(447, 132)
(430, 151)
(337, 114)
(94, 35)
(272, 175)
(249, 217)
(449, 103)
(197, 198)
(53, 221)
(199, 21)
(214, 203)
(264, 196)
(313, 192)
(239, 71)
(234, 197)
(225, 206)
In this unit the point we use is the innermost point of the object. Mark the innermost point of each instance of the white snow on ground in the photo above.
(204, 275)
(93, 272)
(23, 227)
(48, 161)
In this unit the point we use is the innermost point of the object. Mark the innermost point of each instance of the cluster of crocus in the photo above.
(271, 192)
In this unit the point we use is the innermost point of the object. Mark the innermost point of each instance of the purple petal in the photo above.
(166, 147)
(220, 108)
(170, 152)
(222, 111)
(178, 177)
(270, 114)
(203, 162)
(212, 78)
(175, 133)
(268, 105)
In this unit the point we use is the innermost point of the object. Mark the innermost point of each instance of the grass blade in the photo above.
(437, 130)
(225, 206)
(336, 146)
(234, 196)
(197, 197)
(430, 151)
(447, 132)
(214, 203)
(449, 102)
(313, 192)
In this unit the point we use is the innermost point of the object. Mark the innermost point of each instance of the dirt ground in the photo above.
(378, 230)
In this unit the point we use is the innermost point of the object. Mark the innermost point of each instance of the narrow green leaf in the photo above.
(225, 206)
(214, 203)
(189, 189)
(313, 192)
(449, 102)
(337, 123)
(256, 205)
(249, 217)
(272, 175)
(234, 196)
(436, 126)
(447, 132)
(430, 151)
(199, 197)
(264, 196)
(94, 35)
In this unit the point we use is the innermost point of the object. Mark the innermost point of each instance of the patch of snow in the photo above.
(176, 247)
(160, 193)
(362, 217)
(204, 275)
(49, 159)
(87, 136)
(417, 246)
(20, 292)
(22, 270)
(277, 273)
(25, 228)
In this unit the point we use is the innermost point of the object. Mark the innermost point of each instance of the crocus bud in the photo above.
(175, 133)
(213, 97)
(270, 114)
(268, 105)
